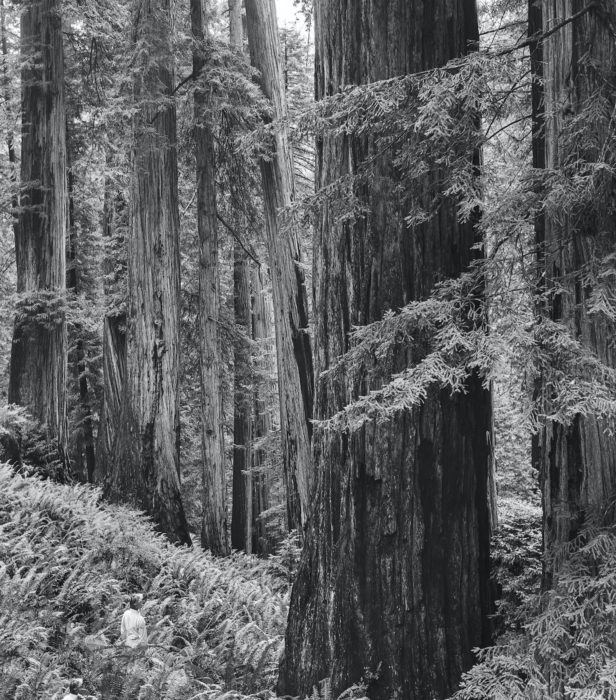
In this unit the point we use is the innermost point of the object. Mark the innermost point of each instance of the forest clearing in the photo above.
(307, 349)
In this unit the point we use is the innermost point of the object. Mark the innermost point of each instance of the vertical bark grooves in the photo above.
(394, 576)
(145, 455)
(294, 354)
(38, 355)
(577, 462)
(214, 521)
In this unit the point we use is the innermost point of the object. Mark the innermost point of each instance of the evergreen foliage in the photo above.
(566, 646)
(68, 562)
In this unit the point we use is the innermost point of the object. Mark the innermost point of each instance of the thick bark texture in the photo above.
(577, 461)
(38, 355)
(294, 354)
(145, 467)
(394, 577)
(214, 521)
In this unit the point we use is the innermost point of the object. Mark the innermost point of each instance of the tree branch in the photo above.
(539, 36)
(237, 238)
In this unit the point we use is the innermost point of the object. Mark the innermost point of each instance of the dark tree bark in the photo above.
(394, 576)
(84, 452)
(241, 517)
(38, 356)
(294, 354)
(145, 467)
(577, 461)
(214, 522)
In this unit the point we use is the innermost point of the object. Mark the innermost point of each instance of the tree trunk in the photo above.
(145, 467)
(214, 522)
(241, 516)
(38, 356)
(577, 461)
(115, 221)
(394, 577)
(294, 354)
(77, 359)
(241, 519)
(252, 419)
(262, 421)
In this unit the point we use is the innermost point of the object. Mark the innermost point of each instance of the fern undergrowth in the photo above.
(68, 563)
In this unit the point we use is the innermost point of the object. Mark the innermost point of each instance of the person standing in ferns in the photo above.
(133, 631)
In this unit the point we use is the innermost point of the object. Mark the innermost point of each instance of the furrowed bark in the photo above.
(145, 468)
(577, 461)
(214, 522)
(38, 355)
(394, 578)
(294, 354)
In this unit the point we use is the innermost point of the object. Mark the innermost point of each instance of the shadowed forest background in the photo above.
(307, 334)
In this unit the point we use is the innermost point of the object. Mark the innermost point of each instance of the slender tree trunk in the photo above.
(145, 466)
(214, 523)
(84, 445)
(10, 138)
(577, 461)
(294, 354)
(241, 517)
(241, 520)
(38, 356)
(394, 577)
(115, 220)
(252, 419)
(262, 420)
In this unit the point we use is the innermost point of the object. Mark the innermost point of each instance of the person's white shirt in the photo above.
(70, 696)
(133, 631)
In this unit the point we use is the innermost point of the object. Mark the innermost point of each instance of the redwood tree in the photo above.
(394, 577)
(577, 460)
(145, 467)
(294, 354)
(39, 349)
(214, 519)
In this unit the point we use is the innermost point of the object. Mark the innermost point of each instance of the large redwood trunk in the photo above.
(214, 520)
(577, 461)
(394, 577)
(145, 467)
(294, 354)
(38, 355)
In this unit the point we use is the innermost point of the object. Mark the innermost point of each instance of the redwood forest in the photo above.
(307, 349)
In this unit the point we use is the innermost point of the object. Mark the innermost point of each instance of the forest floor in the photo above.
(68, 564)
